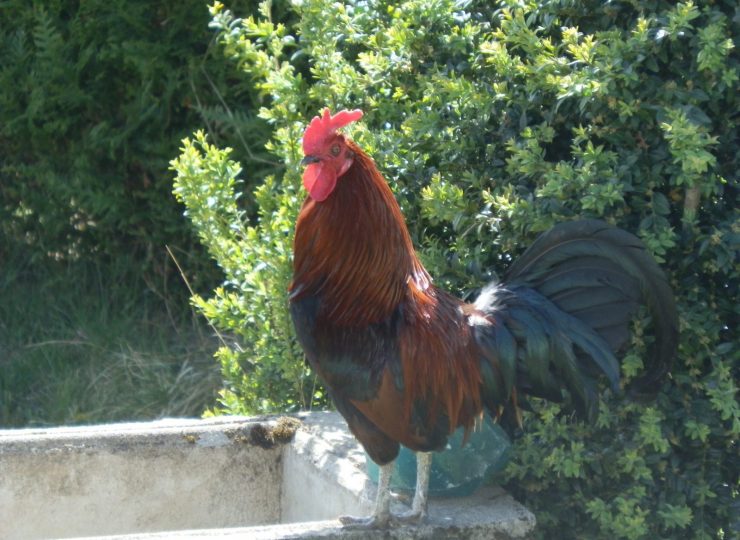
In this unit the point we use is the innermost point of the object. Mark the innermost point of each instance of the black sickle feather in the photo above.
(564, 312)
(625, 262)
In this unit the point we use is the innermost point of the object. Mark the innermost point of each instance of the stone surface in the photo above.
(324, 472)
(217, 478)
(490, 514)
(114, 479)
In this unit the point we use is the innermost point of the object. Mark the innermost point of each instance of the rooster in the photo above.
(406, 363)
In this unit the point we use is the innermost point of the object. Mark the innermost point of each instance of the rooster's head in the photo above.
(326, 154)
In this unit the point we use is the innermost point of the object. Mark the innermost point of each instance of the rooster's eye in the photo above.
(335, 150)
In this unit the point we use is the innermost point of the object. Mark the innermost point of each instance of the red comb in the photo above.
(325, 125)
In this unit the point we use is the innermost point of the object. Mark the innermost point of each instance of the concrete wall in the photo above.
(216, 478)
(324, 473)
(128, 478)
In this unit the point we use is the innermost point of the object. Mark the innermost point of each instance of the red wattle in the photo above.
(319, 180)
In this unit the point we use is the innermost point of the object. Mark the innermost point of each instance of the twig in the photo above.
(192, 293)
(691, 203)
(60, 342)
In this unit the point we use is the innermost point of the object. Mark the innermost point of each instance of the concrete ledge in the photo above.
(227, 477)
(490, 514)
(165, 475)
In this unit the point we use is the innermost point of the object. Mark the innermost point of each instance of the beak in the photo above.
(309, 159)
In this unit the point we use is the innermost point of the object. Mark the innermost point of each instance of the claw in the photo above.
(384, 521)
(412, 517)
(370, 522)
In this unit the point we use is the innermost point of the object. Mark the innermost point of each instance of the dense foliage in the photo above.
(94, 97)
(492, 121)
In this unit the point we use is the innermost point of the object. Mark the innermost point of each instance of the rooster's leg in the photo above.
(419, 506)
(382, 516)
(382, 513)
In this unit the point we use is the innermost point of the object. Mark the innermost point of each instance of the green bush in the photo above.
(94, 97)
(492, 122)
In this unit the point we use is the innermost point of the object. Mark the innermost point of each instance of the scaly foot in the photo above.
(382, 517)
(370, 522)
(411, 517)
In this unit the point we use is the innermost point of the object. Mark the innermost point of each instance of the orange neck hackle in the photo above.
(355, 248)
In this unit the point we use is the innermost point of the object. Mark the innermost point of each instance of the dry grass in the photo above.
(86, 343)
